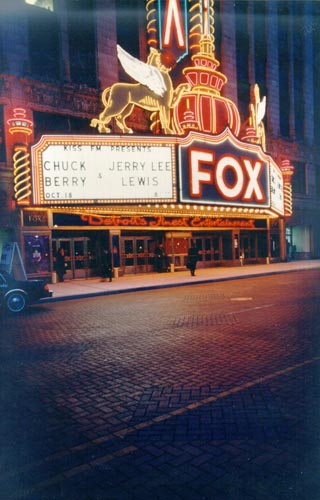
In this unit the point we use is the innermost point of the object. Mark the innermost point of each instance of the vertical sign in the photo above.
(173, 27)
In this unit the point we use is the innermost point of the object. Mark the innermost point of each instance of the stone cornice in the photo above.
(78, 100)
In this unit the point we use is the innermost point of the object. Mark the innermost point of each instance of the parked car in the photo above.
(16, 295)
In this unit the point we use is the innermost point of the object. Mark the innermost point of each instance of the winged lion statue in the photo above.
(153, 92)
(257, 111)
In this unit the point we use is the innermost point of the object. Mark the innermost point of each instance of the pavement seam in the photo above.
(79, 469)
(121, 434)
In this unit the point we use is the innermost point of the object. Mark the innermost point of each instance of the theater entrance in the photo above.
(137, 254)
(80, 257)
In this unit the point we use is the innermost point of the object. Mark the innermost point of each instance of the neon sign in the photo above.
(173, 27)
(244, 172)
(161, 221)
(222, 170)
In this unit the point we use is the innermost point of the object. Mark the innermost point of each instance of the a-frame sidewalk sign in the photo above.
(11, 261)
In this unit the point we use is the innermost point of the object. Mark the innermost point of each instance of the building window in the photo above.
(128, 25)
(44, 4)
(284, 94)
(2, 137)
(298, 41)
(242, 48)
(44, 47)
(299, 179)
(316, 68)
(217, 29)
(49, 123)
(82, 52)
(318, 180)
(260, 47)
(3, 59)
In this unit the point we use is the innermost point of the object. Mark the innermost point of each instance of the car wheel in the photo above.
(16, 302)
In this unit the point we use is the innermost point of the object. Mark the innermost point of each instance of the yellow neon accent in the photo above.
(120, 99)
(25, 130)
(22, 174)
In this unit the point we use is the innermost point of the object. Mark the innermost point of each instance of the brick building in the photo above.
(57, 56)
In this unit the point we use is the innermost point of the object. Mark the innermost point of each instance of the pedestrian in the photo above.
(241, 258)
(160, 260)
(106, 265)
(60, 265)
(193, 257)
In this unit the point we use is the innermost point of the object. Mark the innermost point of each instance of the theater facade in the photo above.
(199, 175)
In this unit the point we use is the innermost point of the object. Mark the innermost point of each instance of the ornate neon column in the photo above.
(287, 172)
(203, 108)
(21, 128)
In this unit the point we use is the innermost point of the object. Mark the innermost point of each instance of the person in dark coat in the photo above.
(160, 259)
(60, 265)
(193, 257)
(106, 265)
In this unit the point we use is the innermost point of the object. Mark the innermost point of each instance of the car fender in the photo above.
(14, 290)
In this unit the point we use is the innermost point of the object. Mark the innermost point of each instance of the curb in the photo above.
(159, 286)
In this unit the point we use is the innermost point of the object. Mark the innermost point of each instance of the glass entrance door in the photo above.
(77, 255)
(137, 254)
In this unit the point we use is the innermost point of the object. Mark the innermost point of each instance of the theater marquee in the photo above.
(103, 170)
(195, 169)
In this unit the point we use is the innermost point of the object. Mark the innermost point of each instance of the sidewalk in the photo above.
(83, 288)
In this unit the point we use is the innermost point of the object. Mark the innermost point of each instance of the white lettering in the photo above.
(64, 166)
(64, 181)
(232, 177)
(199, 176)
(226, 163)
(253, 188)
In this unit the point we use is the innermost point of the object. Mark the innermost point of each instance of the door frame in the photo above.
(141, 262)
(71, 258)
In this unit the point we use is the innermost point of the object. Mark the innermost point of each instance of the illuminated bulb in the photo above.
(188, 207)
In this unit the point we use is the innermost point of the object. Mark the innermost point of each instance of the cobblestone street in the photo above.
(208, 391)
